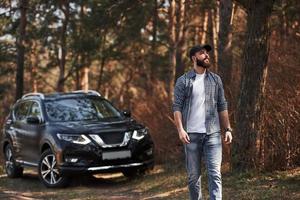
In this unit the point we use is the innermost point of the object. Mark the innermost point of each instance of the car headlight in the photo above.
(139, 134)
(77, 139)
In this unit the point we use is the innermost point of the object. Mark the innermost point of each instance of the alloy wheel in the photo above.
(49, 170)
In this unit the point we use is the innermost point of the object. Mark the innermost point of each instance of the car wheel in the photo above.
(11, 168)
(133, 173)
(48, 171)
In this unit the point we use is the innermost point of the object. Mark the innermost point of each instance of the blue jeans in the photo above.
(208, 147)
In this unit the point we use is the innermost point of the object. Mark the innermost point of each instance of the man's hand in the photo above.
(228, 137)
(184, 137)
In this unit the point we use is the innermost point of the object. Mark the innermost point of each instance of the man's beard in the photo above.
(201, 63)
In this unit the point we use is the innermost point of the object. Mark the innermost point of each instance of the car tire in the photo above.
(49, 173)
(11, 167)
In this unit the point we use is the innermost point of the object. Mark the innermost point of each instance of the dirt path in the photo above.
(163, 183)
(111, 186)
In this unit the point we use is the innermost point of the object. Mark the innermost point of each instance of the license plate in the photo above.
(116, 155)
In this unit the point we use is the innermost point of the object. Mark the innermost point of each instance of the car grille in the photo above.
(112, 137)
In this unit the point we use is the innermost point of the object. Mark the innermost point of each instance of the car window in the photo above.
(22, 110)
(105, 109)
(35, 110)
(80, 109)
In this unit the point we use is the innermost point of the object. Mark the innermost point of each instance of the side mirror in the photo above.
(127, 113)
(33, 120)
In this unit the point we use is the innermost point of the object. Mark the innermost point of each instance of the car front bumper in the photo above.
(68, 170)
(90, 158)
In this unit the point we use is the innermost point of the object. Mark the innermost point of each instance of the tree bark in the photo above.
(215, 24)
(177, 28)
(152, 68)
(77, 72)
(103, 60)
(21, 50)
(64, 7)
(252, 90)
(34, 61)
(172, 47)
(180, 39)
(205, 27)
(85, 78)
(225, 40)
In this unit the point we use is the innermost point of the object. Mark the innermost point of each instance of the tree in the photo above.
(181, 37)
(177, 36)
(253, 81)
(172, 44)
(62, 52)
(21, 49)
(225, 41)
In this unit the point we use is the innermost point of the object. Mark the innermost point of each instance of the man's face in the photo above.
(202, 59)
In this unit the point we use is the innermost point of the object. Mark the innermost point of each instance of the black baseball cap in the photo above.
(197, 48)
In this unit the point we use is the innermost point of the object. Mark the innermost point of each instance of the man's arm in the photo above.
(224, 118)
(179, 98)
(183, 136)
(223, 112)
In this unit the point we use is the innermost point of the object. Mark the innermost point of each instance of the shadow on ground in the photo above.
(102, 186)
(165, 182)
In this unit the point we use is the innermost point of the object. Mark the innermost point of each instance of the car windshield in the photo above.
(81, 109)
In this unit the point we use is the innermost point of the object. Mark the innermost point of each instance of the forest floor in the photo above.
(163, 182)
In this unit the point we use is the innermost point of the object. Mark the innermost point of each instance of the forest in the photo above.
(132, 52)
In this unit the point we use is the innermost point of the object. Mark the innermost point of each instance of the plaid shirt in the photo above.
(215, 101)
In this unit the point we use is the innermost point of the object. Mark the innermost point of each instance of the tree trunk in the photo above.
(77, 72)
(250, 105)
(152, 68)
(196, 36)
(101, 73)
(205, 27)
(77, 75)
(103, 60)
(64, 7)
(21, 49)
(85, 78)
(34, 61)
(215, 24)
(225, 40)
(172, 47)
(180, 39)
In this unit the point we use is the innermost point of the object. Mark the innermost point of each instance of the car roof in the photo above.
(60, 95)
(56, 96)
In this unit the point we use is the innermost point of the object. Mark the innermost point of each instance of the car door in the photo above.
(17, 130)
(33, 135)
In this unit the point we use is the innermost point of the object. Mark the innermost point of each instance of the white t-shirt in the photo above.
(196, 118)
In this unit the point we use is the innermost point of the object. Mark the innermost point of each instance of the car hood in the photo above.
(96, 127)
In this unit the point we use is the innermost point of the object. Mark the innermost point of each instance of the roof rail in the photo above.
(88, 91)
(37, 94)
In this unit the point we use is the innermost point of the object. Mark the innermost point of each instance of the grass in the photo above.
(276, 185)
(164, 182)
(1, 168)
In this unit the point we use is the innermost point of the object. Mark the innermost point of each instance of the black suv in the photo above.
(77, 132)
